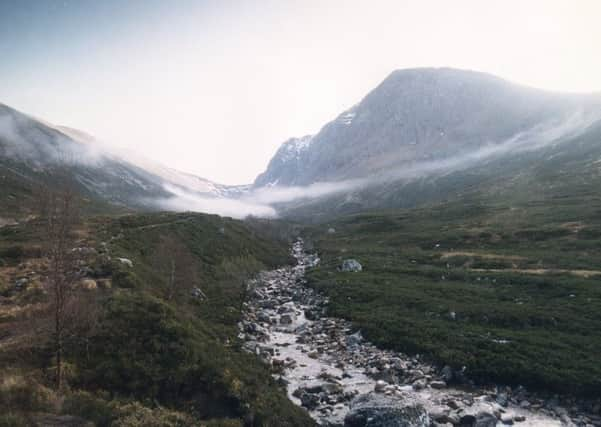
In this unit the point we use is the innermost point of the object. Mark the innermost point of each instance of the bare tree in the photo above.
(59, 219)
(177, 266)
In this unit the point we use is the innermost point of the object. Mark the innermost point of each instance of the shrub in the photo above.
(12, 420)
(90, 407)
(20, 394)
(135, 415)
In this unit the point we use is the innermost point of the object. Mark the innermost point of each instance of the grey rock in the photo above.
(380, 386)
(502, 399)
(484, 419)
(351, 265)
(377, 410)
(286, 319)
(446, 373)
(309, 401)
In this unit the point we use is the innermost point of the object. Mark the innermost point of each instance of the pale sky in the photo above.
(214, 87)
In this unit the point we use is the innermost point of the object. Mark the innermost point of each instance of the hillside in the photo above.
(168, 359)
(34, 154)
(480, 282)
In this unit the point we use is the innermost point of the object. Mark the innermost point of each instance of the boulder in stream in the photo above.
(377, 410)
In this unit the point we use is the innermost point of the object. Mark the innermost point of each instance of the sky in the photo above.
(214, 87)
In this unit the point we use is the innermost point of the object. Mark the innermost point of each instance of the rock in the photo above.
(263, 317)
(453, 404)
(312, 314)
(446, 374)
(502, 399)
(286, 319)
(309, 401)
(268, 304)
(388, 375)
(21, 283)
(519, 418)
(467, 421)
(88, 284)
(332, 388)
(380, 386)
(507, 419)
(484, 419)
(354, 339)
(438, 384)
(351, 265)
(126, 262)
(198, 293)
(377, 410)
(419, 385)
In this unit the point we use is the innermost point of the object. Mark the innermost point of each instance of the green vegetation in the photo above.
(511, 291)
(148, 359)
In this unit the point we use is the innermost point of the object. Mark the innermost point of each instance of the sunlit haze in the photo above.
(214, 87)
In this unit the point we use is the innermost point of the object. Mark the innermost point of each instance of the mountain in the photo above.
(33, 152)
(420, 115)
(424, 134)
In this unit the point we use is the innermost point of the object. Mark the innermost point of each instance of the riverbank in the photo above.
(330, 370)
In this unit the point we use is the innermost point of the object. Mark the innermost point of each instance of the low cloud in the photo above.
(24, 138)
(235, 208)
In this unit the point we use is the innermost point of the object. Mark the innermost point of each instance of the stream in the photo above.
(343, 380)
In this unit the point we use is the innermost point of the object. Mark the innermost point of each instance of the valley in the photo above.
(445, 270)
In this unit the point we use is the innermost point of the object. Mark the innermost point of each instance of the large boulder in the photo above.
(351, 265)
(378, 410)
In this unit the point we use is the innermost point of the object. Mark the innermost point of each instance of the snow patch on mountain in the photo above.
(294, 147)
(347, 117)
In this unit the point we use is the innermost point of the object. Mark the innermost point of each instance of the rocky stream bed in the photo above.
(343, 380)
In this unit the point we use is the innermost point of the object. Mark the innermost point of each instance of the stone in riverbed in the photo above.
(286, 319)
(309, 401)
(380, 386)
(438, 384)
(484, 419)
(377, 410)
(447, 373)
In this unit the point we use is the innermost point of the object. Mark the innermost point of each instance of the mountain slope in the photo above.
(425, 115)
(33, 152)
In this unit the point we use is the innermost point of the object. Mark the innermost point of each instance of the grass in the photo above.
(485, 284)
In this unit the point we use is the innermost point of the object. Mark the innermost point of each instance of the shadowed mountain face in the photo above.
(426, 115)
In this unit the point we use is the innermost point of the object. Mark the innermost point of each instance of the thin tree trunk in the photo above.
(172, 281)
